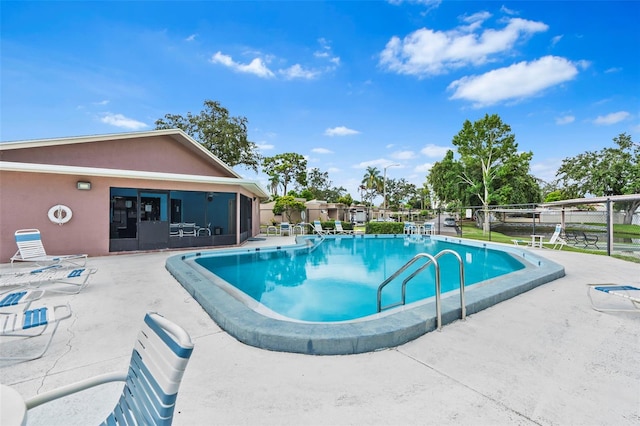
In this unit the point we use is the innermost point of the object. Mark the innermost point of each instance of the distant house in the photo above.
(123, 192)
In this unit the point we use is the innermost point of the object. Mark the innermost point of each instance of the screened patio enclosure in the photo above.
(143, 219)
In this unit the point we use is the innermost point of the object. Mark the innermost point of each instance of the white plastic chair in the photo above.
(158, 362)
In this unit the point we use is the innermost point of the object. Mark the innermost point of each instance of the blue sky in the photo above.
(348, 84)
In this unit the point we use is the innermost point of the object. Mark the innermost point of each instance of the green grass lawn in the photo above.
(474, 233)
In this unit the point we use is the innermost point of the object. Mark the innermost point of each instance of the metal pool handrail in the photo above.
(432, 260)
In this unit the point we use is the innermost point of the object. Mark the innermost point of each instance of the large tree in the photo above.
(319, 186)
(610, 171)
(444, 179)
(223, 135)
(286, 168)
(489, 170)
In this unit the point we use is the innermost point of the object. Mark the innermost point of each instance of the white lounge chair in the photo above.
(30, 249)
(555, 239)
(29, 323)
(74, 280)
(158, 362)
(628, 292)
(317, 227)
(19, 297)
(341, 230)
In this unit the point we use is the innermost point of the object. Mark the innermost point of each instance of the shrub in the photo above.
(385, 228)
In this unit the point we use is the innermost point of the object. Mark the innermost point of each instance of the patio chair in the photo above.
(341, 230)
(285, 228)
(73, 280)
(30, 249)
(555, 239)
(410, 228)
(175, 230)
(317, 227)
(570, 237)
(189, 229)
(158, 362)
(589, 240)
(29, 323)
(628, 292)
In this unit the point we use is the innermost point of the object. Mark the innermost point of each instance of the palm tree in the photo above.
(274, 182)
(372, 181)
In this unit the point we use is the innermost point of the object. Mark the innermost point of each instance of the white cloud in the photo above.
(103, 102)
(613, 118)
(326, 53)
(515, 82)
(555, 40)
(423, 168)
(614, 69)
(321, 151)
(434, 151)
(546, 170)
(119, 120)
(565, 119)
(296, 71)
(256, 66)
(403, 155)
(264, 146)
(333, 170)
(430, 52)
(340, 131)
(192, 37)
(380, 163)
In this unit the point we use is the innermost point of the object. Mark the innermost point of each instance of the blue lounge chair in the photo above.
(158, 362)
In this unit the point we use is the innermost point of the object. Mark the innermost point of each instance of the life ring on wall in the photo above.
(60, 214)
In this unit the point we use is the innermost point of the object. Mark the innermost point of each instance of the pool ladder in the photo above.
(433, 260)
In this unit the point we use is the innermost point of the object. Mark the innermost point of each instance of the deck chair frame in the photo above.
(31, 249)
(318, 229)
(32, 322)
(340, 230)
(75, 279)
(626, 292)
(158, 362)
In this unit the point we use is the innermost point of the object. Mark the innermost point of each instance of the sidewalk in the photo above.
(544, 357)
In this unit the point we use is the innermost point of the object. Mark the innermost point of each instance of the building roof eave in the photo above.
(177, 134)
(252, 186)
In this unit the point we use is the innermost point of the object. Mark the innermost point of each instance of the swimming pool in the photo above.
(258, 325)
(338, 279)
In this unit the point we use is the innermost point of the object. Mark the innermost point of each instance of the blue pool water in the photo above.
(338, 279)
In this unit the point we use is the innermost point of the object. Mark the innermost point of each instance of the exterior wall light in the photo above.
(83, 186)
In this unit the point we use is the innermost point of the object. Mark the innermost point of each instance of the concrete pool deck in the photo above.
(543, 357)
